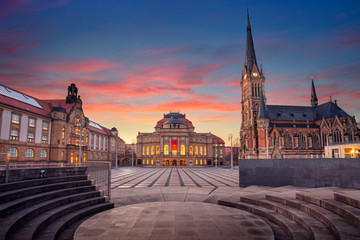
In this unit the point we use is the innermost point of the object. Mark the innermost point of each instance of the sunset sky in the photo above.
(133, 61)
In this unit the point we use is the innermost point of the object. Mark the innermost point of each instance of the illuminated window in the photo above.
(152, 162)
(14, 135)
(44, 139)
(72, 157)
(166, 149)
(147, 150)
(143, 161)
(13, 152)
(63, 133)
(201, 162)
(29, 153)
(31, 122)
(45, 126)
(15, 118)
(205, 151)
(196, 162)
(157, 150)
(43, 153)
(84, 158)
(182, 149)
(191, 150)
(152, 150)
(201, 150)
(62, 155)
(196, 150)
(143, 150)
(147, 161)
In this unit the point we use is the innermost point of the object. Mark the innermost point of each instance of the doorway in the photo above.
(174, 162)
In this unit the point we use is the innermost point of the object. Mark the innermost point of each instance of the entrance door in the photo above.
(166, 162)
(174, 162)
(182, 162)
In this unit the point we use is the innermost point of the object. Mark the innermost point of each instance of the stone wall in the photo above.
(33, 173)
(305, 172)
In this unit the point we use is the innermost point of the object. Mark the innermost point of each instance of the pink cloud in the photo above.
(82, 66)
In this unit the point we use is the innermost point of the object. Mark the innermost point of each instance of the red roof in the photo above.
(217, 140)
(59, 102)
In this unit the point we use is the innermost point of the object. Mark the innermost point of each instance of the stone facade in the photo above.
(175, 143)
(47, 131)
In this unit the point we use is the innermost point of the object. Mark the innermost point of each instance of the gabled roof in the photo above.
(59, 102)
(329, 110)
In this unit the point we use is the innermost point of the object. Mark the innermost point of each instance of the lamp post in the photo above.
(132, 161)
(231, 152)
(116, 151)
(267, 142)
(216, 155)
(80, 122)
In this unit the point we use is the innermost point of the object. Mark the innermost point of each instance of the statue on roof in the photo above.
(72, 94)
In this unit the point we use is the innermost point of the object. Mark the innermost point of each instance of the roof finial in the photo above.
(314, 99)
(248, 18)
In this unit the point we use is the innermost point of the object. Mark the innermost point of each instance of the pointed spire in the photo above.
(314, 99)
(262, 109)
(250, 58)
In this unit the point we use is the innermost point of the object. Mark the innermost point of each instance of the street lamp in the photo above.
(80, 145)
(116, 151)
(216, 155)
(231, 152)
(132, 161)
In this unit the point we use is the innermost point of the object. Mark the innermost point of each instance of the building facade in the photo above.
(37, 131)
(175, 143)
(283, 131)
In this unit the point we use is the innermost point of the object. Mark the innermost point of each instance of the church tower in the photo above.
(252, 84)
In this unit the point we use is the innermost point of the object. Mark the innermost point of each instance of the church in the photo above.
(285, 131)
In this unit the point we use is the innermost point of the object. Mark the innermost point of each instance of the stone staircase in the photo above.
(303, 213)
(44, 208)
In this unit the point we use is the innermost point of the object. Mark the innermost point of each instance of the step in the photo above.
(54, 230)
(20, 193)
(21, 203)
(316, 229)
(341, 228)
(292, 229)
(349, 213)
(349, 199)
(10, 223)
(39, 181)
(38, 223)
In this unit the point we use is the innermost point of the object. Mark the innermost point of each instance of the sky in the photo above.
(133, 61)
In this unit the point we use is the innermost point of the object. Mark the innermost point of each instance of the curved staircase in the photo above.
(303, 213)
(46, 208)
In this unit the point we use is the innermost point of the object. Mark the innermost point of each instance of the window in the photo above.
(13, 152)
(205, 151)
(72, 157)
(201, 150)
(29, 153)
(44, 139)
(288, 142)
(337, 136)
(152, 150)
(196, 150)
(31, 137)
(191, 150)
(274, 140)
(14, 135)
(62, 155)
(63, 133)
(15, 118)
(302, 140)
(182, 149)
(157, 150)
(256, 111)
(143, 150)
(315, 140)
(324, 138)
(45, 126)
(166, 149)
(43, 153)
(147, 150)
(31, 122)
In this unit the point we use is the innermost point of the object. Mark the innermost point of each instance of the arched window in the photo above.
(349, 132)
(191, 150)
(274, 139)
(63, 133)
(43, 153)
(201, 150)
(166, 149)
(302, 140)
(143, 150)
(315, 140)
(152, 150)
(182, 149)
(255, 111)
(196, 150)
(205, 151)
(337, 136)
(147, 150)
(157, 150)
(13, 152)
(324, 138)
(288, 140)
(29, 153)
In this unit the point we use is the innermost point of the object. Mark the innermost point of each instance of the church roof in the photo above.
(262, 111)
(174, 121)
(329, 110)
(250, 57)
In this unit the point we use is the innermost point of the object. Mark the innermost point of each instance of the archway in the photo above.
(182, 162)
(174, 162)
(166, 162)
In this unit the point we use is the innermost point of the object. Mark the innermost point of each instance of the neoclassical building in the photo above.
(284, 131)
(175, 143)
(37, 131)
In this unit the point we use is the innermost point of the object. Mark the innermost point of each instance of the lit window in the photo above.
(197, 162)
(13, 152)
(191, 150)
(45, 126)
(147, 150)
(201, 162)
(31, 122)
(147, 161)
(31, 137)
(205, 151)
(152, 161)
(62, 155)
(44, 138)
(143, 150)
(196, 150)
(43, 153)
(72, 157)
(166, 149)
(63, 133)
(182, 149)
(201, 150)
(157, 150)
(14, 135)
(152, 150)
(15, 118)
(29, 153)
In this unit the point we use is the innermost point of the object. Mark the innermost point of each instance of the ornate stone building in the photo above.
(39, 131)
(283, 131)
(175, 143)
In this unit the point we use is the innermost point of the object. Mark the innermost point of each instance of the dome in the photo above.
(174, 121)
(58, 109)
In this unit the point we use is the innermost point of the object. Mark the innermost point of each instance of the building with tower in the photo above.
(284, 131)
(175, 143)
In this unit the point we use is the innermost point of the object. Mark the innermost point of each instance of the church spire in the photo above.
(314, 99)
(262, 108)
(250, 58)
